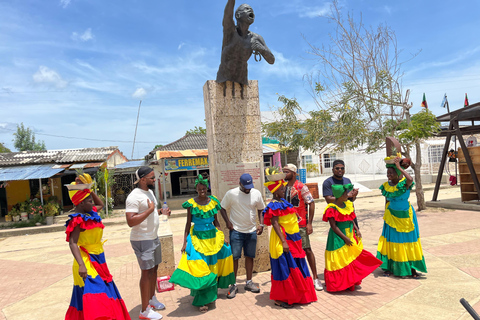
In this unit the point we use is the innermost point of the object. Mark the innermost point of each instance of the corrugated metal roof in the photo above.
(188, 142)
(56, 156)
(181, 154)
(28, 172)
(131, 164)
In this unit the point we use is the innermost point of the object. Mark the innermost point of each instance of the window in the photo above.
(328, 159)
(435, 153)
(305, 160)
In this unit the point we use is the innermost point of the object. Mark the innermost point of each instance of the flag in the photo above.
(466, 101)
(444, 101)
(424, 102)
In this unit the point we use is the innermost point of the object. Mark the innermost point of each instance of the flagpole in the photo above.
(448, 106)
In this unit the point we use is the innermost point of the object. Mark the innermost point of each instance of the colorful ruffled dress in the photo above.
(291, 280)
(97, 297)
(207, 263)
(399, 246)
(345, 266)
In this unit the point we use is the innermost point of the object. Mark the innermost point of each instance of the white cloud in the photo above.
(139, 93)
(180, 45)
(49, 76)
(87, 35)
(314, 12)
(65, 3)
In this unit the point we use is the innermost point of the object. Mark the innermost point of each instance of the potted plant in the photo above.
(24, 208)
(36, 208)
(15, 213)
(51, 209)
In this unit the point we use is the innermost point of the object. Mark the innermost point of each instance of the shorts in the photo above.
(148, 252)
(247, 241)
(305, 238)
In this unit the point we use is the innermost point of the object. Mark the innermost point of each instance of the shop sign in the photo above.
(186, 164)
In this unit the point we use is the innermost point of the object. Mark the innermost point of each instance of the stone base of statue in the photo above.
(165, 235)
(235, 147)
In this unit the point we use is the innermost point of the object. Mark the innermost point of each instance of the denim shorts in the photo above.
(247, 241)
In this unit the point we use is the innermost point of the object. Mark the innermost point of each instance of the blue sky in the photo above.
(75, 70)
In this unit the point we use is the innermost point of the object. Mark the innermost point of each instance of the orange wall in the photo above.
(17, 191)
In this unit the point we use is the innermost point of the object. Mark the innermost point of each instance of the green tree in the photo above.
(158, 146)
(25, 140)
(359, 97)
(196, 130)
(4, 149)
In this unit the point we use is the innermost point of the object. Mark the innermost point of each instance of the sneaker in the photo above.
(150, 314)
(155, 304)
(318, 285)
(232, 292)
(250, 286)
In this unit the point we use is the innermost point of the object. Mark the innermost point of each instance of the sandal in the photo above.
(203, 309)
(283, 305)
(387, 274)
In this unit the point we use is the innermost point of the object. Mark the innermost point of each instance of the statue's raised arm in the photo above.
(239, 43)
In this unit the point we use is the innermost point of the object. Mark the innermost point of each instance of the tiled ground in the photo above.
(36, 281)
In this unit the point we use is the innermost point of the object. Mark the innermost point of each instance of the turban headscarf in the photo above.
(201, 180)
(339, 189)
(274, 185)
(78, 196)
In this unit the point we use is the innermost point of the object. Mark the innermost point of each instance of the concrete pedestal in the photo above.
(167, 266)
(235, 146)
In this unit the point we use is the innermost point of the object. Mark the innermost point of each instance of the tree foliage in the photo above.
(4, 149)
(25, 140)
(196, 130)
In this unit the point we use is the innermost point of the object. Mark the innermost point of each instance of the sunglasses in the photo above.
(339, 168)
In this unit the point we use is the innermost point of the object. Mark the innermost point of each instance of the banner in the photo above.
(186, 164)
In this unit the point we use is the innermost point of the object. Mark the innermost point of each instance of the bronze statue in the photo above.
(238, 45)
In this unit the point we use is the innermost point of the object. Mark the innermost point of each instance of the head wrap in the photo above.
(201, 180)
(78, 196)
(339, 189)
(274, 185)
(291, 167)
(392, 165)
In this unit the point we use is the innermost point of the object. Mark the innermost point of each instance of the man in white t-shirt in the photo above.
(243, 203)
(142, 216)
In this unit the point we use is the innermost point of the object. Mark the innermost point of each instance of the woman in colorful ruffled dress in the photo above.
(95, 295)
(207, 262)
(346, 262)
(399, 246)
(291, 280)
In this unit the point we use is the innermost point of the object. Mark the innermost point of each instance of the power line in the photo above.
(102, 140)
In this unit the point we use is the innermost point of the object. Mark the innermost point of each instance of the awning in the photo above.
(41, 171)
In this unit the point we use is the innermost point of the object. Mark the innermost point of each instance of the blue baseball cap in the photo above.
(246, 181)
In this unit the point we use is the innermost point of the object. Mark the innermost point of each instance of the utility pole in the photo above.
(135, 136)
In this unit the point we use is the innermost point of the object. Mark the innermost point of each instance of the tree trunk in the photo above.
(418, 178)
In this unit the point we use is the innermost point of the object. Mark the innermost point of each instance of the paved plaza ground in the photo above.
(36, 281)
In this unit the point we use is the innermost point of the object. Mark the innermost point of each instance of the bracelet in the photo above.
(262, 225)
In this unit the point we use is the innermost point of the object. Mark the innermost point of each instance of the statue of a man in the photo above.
(239, 43)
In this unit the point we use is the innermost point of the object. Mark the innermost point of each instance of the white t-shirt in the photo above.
(137, 202)
(243, 208)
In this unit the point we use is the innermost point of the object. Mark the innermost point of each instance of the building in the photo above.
(43, 174)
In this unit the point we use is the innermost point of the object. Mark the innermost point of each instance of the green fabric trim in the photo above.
(225, 282)
(196, 211)
(203, 235)
(334, 242)
(401, 188)
(204, 297)
(400, 213)
(401, 269)
(186, 280)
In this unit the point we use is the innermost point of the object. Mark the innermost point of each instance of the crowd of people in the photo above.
(210, 258)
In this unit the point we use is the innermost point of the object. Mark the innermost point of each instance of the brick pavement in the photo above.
(36, 280)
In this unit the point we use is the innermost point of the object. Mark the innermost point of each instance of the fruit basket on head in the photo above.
(274, 174)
